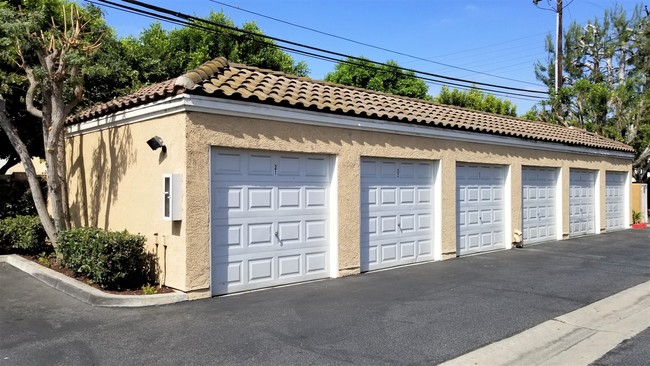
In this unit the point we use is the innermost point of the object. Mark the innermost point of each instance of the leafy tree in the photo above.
(51, 63)
(51, 42)
(601, 86)
(642, 141)
(389, 78)
(158, 54)
(477, 100)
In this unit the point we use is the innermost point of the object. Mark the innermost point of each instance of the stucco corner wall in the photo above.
(116, 183)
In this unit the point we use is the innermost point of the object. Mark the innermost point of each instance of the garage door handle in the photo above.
(278, 236)
(400, 227)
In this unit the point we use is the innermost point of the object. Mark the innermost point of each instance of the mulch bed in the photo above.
(56, 266)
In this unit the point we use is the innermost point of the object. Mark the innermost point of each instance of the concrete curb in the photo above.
(85, 293)
(579, 337)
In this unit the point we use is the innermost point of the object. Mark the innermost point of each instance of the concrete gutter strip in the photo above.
(85, 293)
(576, 338)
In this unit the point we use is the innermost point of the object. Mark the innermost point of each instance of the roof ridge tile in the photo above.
(219, 77)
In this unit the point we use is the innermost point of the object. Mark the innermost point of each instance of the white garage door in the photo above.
(269, 219)
(480, 208)
(582, 202)
(539, 204)
(396, 212)
(615, 200)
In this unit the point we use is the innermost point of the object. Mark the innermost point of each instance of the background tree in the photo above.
(158, 54)
(642, 141)
(50, 41)
(477, 100)
(602, 85)
(606, 85)
(389, 78)
(51, 64)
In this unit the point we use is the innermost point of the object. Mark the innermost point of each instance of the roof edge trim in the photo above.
(202, 104)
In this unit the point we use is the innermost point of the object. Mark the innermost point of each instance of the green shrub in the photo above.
(23, 235)
(149, 289)
(113, 260)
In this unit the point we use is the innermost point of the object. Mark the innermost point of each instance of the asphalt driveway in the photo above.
(421, 314)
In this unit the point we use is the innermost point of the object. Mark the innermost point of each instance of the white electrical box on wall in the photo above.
(172, 197)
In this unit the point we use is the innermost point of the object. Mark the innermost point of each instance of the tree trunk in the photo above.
(32, 178)
(56, 150)
(63, 177)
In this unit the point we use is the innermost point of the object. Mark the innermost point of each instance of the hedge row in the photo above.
(23, 235)
(113, 260)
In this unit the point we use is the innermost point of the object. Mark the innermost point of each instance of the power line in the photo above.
(491, 46)
(190, 18)
(374, 46)
(192, 22)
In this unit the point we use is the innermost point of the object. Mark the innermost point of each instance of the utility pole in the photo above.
(558, 51)
(558, 40)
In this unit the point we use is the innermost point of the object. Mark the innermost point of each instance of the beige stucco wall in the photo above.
(639, 200)
(116, 180)
(116, 183)
(348, 146)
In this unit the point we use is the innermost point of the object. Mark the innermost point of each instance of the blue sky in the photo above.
(499, 37)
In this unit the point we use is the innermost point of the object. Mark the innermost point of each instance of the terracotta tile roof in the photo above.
(145, 95)
(221, 79)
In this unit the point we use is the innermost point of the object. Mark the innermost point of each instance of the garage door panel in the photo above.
(480, 190)
(615, 200)
(485, 217)
(387, 225)
(289, 198)
(538, 204)
(260, 269)
(406, 195)
(317, 168)
(316, 263)
(473, 241)
(388, 196)
(260, 165)
(582, 202)
(315, 230)
(407, 224)
(315, 197)
(289, 231)
(368, 197)
(260, 234)
(245, 272)
(407, 249)
(260, 199)
(289, 266)
(388, 252)
(406, 170)
(424, 221)
(472, 217)
(395, 212)
(269, 220)
(424, 248)
(229, 199)
(424, 195)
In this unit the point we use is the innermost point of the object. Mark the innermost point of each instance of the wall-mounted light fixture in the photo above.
(157, 142)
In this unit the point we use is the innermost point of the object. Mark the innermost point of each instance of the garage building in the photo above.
(267, 179)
